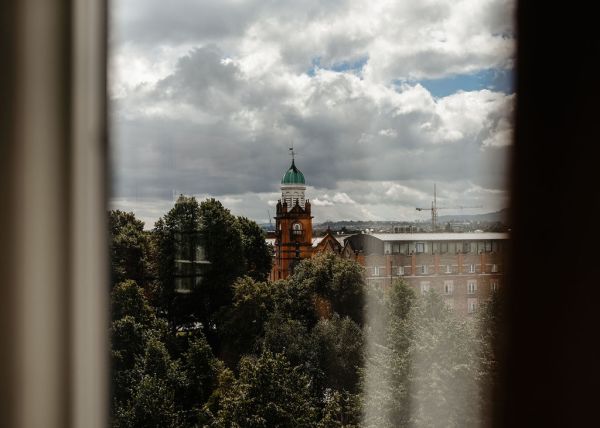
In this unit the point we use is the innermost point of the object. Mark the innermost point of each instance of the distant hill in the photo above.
(502, 216)
(353, 226)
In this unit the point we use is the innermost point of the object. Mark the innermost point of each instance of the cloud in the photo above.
(207, 96)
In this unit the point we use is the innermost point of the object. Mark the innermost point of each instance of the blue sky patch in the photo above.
(494, 79)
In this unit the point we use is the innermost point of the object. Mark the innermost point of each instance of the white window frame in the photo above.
(448, 268)
(424, 269)
(472, 306)
(425, 287)
(472, 268)
(400, 270)
(448, 287)
(494, 285)
(471, 286)
(494, 268)
(376, 271)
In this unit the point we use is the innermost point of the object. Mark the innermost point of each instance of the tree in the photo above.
(257, 253)
(128, 247)
(339, 344)
(445, 371)
(223, 240)
(269, 392)
(127, 299)
(174, 240)
(387, 369)
(341, 410)
(201, 370)
(243, 322)
(337, 281)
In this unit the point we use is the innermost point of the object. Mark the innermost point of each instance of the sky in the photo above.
(380, 99)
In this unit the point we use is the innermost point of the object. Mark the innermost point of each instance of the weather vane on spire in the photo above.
(293, 153)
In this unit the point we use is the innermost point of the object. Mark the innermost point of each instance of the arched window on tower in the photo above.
(296, 230)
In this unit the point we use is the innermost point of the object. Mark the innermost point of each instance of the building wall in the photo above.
(291, 246)
(430, 271)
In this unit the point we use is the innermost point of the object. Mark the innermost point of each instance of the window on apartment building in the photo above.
(425, 287)
(443, 247)
(375, 270)
(424, 269)
(494, 285)
(448, 268)
(471, 306)
(404, 248)
(387, 248)
(466, 247)
(452, 247)
(471, 268)
(494, 268)
(448, 287)
(395, 248)
(400, 270)
(420, 247)
(488, 246)
(449, 304)
(471, 287)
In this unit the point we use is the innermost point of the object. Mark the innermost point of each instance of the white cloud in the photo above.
(207, 96)
(321, 202)
(343, 198)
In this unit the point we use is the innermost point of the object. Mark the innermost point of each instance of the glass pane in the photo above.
(308, 210)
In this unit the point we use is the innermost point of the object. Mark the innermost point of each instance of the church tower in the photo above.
(293, 224)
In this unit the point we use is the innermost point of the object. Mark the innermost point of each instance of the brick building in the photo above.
(465, 268)
(293, 225)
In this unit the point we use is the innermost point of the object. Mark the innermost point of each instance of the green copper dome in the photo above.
(293, 176)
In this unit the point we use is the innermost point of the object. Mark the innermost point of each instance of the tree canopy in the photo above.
(218, 344)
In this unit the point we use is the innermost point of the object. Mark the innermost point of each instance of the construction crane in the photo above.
(434, 209)
(270, 221)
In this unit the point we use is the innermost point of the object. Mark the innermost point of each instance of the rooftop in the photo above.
(293, 175)
(472, 236)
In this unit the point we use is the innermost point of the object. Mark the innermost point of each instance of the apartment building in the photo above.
(465, 268)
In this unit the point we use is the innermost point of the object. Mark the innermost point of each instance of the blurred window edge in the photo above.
(53, 173)
(54, 271)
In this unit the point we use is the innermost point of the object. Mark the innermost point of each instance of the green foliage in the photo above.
(128, 247)
(428, 370)
(339, 343)
(152, 405)
(202, 369)
(127, 299)
(223, 238)
(269, 392)
(257, 254)
(291, 338)
(150, 387)
(172, 237)
(244, 321)
(341, 410)
(339, 281)
(295, 352)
